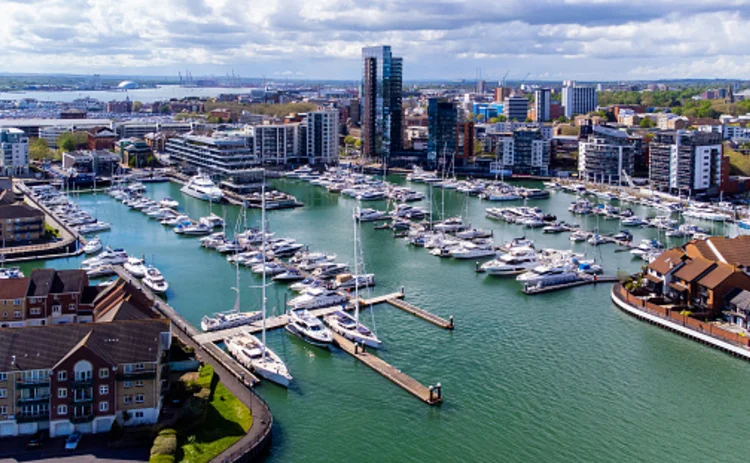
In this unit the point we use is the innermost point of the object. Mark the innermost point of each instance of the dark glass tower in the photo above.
(442, 119)
(381, 102)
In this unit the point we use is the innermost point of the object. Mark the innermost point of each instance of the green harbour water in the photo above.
(563, 376)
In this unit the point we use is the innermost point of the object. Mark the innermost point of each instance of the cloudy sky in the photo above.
(439, 39)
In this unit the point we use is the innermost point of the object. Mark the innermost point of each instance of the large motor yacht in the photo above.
(202, 187)
(250, 352)
(317, 297)
(309, 328)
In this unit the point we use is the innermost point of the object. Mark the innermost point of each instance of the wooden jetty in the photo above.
(421, 313)
(430, 395)
(534, 289)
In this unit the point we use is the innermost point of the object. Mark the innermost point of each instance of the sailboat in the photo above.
(251, 352)
(231, 318)
(343, 323)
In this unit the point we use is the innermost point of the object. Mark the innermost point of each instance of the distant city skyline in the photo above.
(588, 40)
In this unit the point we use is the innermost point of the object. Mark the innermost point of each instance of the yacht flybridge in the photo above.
(202, 187)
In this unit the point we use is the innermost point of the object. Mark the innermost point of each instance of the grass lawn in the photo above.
(227, 420)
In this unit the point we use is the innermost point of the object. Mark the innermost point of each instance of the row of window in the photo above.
(128, 399)
(62, 375)
(63, 409)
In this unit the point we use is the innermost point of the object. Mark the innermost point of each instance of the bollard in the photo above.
(356, 348)
(439, 391)
(431, 389)
(363, 347)
(402, 291)
(450, 322)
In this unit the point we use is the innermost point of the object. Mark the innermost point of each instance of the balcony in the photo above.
(30, 383)
(83, 400)
(82, 418)
(41, 398)
(32, 417)
(81, 383)
(133, 375)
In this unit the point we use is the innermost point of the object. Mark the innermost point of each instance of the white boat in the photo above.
(270, 268)
(369, 215)
(596, 239)
(212, 220)
(93, 246)
(315, 298)
(202, 187)
(579, 236)
(93, 228)
(545, 275)
(108, 257)
(454, 224)
(98, 271)
(255, 356)
(154, 281)
(193, 229)
(292, 274)
(330, 270)
(471, 251)
(169, 202)
(632, 221)
(135, 267)
(10, 273)
(308, 328)
(346, 281)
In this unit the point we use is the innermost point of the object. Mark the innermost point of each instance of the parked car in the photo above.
(71, 443)
(37, 440)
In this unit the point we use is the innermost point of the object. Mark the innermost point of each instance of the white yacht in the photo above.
(155, 281)
(254, 355)
(212, 220)
(347, 281)
(169, 202)
(471, 251)
(108, 257)
(309, 328)
(330, 270)
(202, 187)
(10, 273)
(315, 298)
(349, 327)
(547, 275)
(95, 227)
(230, 319)
(370, 215)
(93, 246)
(136, 267)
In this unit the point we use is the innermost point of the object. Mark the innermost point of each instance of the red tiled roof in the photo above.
(13, 288)
(693, 269)
(667, 260)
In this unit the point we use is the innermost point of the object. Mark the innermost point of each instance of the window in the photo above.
(62, 393)
(56, 309)
(3, 376)
(139, 414)
(104, 372)
(103, 406)
(71, 307)
(139, 383)
(103, 390)
(3, 393)
(35, 311)
(62, 409)
(3, 410)
(128, 384)
(128, 399)
(139, 366)
(62, 375)
(140, 398)
(17, 302)
(17, 314)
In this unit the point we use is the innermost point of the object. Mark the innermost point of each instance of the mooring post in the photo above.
(450, 322)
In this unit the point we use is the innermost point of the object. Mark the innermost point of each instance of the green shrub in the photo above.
(161, 459)
(165, 443)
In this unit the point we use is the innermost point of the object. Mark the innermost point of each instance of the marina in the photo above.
(514, 387)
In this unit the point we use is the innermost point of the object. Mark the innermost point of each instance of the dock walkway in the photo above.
(534, 289)
(429, 395)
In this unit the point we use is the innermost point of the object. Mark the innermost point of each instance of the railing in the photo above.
(143, 374)
(32, 417)
(82, 418)
(675, 316)
(253, 448)
(26, 383)
(29, 400)
(83, 400)
(80, 383)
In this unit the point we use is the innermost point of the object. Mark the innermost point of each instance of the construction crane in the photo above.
(502, 82)
(524, 80)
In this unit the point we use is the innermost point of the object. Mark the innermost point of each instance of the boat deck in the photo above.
(430, 395)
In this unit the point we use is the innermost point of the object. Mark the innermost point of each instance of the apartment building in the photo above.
(14, 152)
(381, 99)
(20, 224)
(322, 140)
(686, 161)
(277, 144)
(524, 151)
(516, 108)
(606, 154)
(83, 377)
(578, 100)
(542, 105)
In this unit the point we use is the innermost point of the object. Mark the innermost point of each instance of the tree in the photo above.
(528, 119)
(562, 119)
(137, 106)
(39, 150)
(165, 109)
(647, 123)
(71, 141)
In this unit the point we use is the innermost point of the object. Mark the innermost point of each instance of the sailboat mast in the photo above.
(263, 259)
(356, 274)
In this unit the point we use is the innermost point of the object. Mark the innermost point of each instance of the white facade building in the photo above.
(322, 129)
(578, 100)
(14, 148)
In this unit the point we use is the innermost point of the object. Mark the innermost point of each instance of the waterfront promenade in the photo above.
(703, 332)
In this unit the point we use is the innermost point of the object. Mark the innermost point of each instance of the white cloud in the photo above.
(438, 38)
